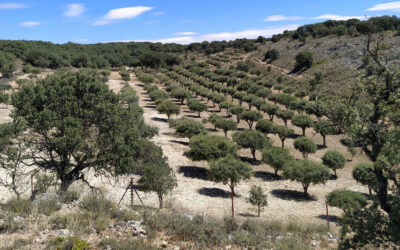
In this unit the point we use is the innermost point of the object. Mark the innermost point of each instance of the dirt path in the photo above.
(199, 196)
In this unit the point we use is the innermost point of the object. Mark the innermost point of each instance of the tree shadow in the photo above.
(292, 195)
(266, 176)
(332, 177)
(215, 192)
(148, 100)
(180, 142)
(319, 147)
(192, 116)
(194, 172)
(248, 215)
(158, 119)
(332, 218)
(250, 160)
(150, 106)
(294, 136)
(139, 85)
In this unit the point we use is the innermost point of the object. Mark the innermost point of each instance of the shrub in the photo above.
(68, 243)
(128, 95)
(305, 145)
(306, 172)
(168, 107)
(251, 139)
(283, 133)
(226, 125)
(124, 244)
(304, 59)
(10, 224)
(250, 117)
(302, 121)
(334, 160)
(196, 106)
(208, 148)
(285, 115)
(48, 205)
(189, 128)
(364, 174)
(22, 206)
(346, 200)
(276, 158)
(158, 95)
(272, 55)
(266, 127)
(257, 198)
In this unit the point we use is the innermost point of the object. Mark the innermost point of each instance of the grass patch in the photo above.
(125, 244)
(72, 243)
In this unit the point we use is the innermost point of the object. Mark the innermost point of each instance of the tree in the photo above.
(266, 127)
(213, 119)
(302, 121)
(181, 94)
(168, 107)
(250, 117)
(227, 106)
(272, 55)
(208, 148)
(226, 125)
(75, 123)
(324, 127)
(257, 198)
(304, 59)
(196, 106)
(285, 115)
(230, 171)
(346, 200)
(237, 110)
(306, 172)
(158, 178)
(189, 128)
(283, 132)
(364, 174)
(305, 145)
(251, 139)
(276, 158)
(334, 160)
(270, 109)
(263, 93)
(158, 95)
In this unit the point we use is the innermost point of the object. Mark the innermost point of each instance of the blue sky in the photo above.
(180, 21)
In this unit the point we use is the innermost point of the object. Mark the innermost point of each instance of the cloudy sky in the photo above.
(179, 21)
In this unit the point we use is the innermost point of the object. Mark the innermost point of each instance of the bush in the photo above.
(251, 139)
(10, 224)
(128, 95)
(68, 243)
(208, 148)
(305, 145)
(251, 117)
(168, 107)
(304, 59)
(272, 55)
(302, 121)
(364, 174)
(189, 128)
(346, 200)
(257, 198)
(21, 207)
(48, 205)
(334, 160)
(276, 158)
(196, 106)
(226, 125)
(124, 244)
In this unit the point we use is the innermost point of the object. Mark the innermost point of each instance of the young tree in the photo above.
(158, 178)
(196, 106)
(276, 158)
(364, 174)
(158, 95)
(306, 172)
(257, 198)
(346, 200)
(285, 115)
(305, 145)
(302, 121)
(237, 110)
(226, 125)
(324, 127)
(334, 160)
(271, 110)
(263, 93)
(266, 127)
(227, 106)
(208, 148)
(230, 171)
(213, 119)
(283, 132)
(304, 59)
(271, 55)
(251, 139)
(82, 126)
(189, 128)
(181, 94)
(168, 107)
(251, 116)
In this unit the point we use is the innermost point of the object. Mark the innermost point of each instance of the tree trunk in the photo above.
(199, 114)
(305, 188)
(324, 139)
(285, 121)
(232, 194)
(335, 173)
(276, 172)
(226, 133)
(259, 210)
(283, 143)
(237, 118)
(370, 190)
(160, 200)
(253, 152)
(304, 131)
(304, 155)
(271, 118)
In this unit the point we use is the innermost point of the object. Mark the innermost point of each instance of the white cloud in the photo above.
(394, 6)
(159, 13)
(185, 33)
(74, 10)
(11, 6)
(276, 18)
(30, 24)
(251, 34)
(337, 17)
(122, 13)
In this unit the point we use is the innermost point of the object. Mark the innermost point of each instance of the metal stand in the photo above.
(131, 186)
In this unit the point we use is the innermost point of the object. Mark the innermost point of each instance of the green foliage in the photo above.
(196, 106)
(146, 78)
(168, 107)
(306, 172)
(285, 115)
(304, 59)
(227, 106)
(48, 205)
(22, 206)
(226, 125)
(251, 139)
(181, 94)
(250, 117)
(72, 243)
(124, 244)
(125, 75)
(346, 200)
(159, 179)
(305, 146)
(302, 121)
(208, 148)
(334, 160)
(270, 109)
(257, 198)
(230, 171)
(324, 127)
(85, 125)
(213, 119)
(266, 127)
(4, 97)
(158, 95)
(364, 174)
(271, 55)
(237, 110)
(283, 132)
(128, 95)
(7, 64)
(276, 158)
(189, 128)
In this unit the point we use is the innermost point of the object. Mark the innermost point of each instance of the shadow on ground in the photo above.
(332, 218)
(193, 172)
(215, 192)
(266, 176)
(158, 119)
(292, 195)
(180, 142)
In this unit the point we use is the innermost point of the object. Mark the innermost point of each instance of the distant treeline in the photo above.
(105, 55)
(340, 28)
